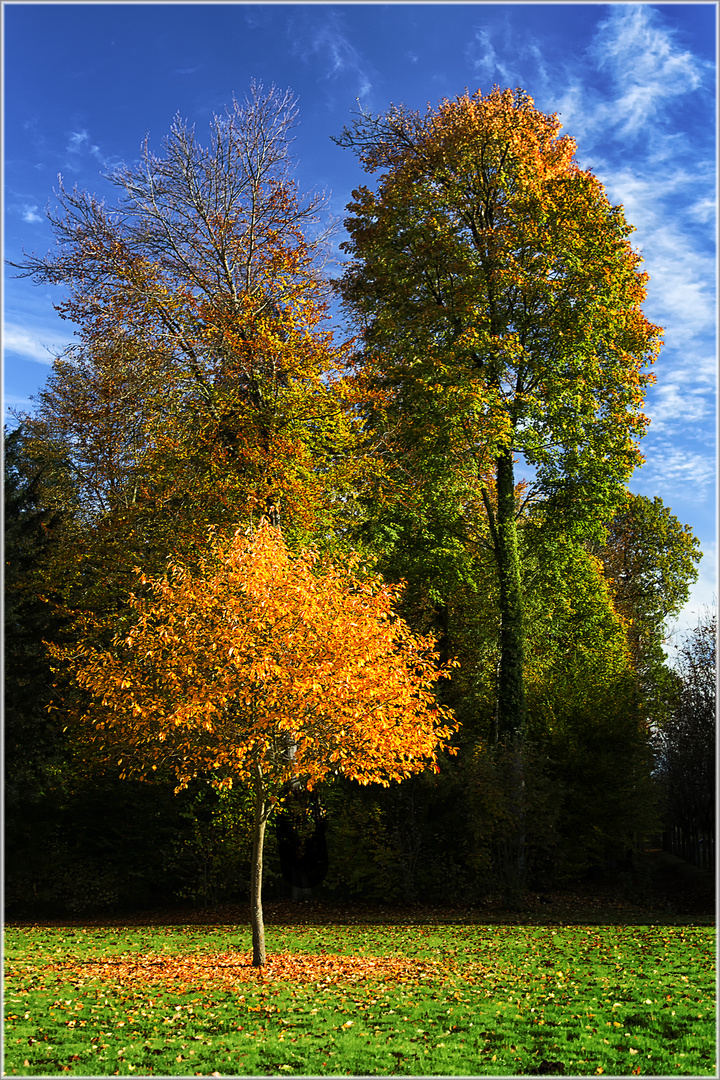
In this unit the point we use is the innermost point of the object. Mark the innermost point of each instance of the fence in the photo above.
(695, 846)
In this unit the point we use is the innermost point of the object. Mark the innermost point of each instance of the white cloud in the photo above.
(79, 143)
(676, 472)
(27, 212)
(647, 71)
(341, 58)
(676, 402)
(703, 210)
(666, 184)
(679, 260)
(483, 59)
(31, 344)
(30, 214)
(643, 59)
(647, 74)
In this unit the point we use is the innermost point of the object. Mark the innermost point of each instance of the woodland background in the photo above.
(193, 405)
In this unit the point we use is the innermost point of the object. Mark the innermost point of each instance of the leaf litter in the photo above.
(225, 970)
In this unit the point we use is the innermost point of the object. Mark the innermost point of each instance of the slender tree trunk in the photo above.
(256, 870)
(511, 711)
(442, 618)
(511, 714)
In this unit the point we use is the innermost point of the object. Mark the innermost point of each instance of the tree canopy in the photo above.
(499, 299)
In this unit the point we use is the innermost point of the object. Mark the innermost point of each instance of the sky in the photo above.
(634, 84)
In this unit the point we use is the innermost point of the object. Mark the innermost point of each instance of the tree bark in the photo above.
(511, 712)
(256, 870)
(511, 709)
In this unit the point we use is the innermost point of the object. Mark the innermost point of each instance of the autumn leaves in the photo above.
(254, 650)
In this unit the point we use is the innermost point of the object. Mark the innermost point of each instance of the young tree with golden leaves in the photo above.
(260, 667)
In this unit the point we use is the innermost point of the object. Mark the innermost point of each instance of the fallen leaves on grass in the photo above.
(227, 970)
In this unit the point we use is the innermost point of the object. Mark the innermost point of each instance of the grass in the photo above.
(403, 1000)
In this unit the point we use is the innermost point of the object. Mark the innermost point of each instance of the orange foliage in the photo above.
(263, 661)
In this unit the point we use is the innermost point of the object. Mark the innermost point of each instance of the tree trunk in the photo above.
(517, 883)
(511, 712)
(442, 618)
(256, 870)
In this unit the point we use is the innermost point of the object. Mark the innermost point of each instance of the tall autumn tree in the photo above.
(499, 298)
(204, 381)
(265, 668)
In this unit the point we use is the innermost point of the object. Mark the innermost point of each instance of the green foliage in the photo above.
(407, 843)
(35, 753)
(499, 300)
(32, 533)
(102, 844)
(210, 858)
(496, 817)
(650, 561)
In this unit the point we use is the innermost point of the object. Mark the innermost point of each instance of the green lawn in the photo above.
(411, 999)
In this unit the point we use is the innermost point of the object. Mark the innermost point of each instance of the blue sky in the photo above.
(634, 84)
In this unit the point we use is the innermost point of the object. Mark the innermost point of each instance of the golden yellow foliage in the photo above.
(258, 658)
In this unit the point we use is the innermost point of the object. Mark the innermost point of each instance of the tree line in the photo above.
(251, 561)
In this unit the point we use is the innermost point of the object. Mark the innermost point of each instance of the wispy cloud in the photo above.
(676, 472)
(28, 212)
(647, 76)
(484, 60)
(684, 398)
(642, 58)
(31, 344)
(79, 143)
(328, 48)
(646, 130)
(681, 291)
(704, 210)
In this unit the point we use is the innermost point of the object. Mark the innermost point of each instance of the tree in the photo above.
(33, 745)
(205, 381)
(584, 705)
(500, 304)
(204, 387)
(650, 561)
(685, 743)
(262, 667)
